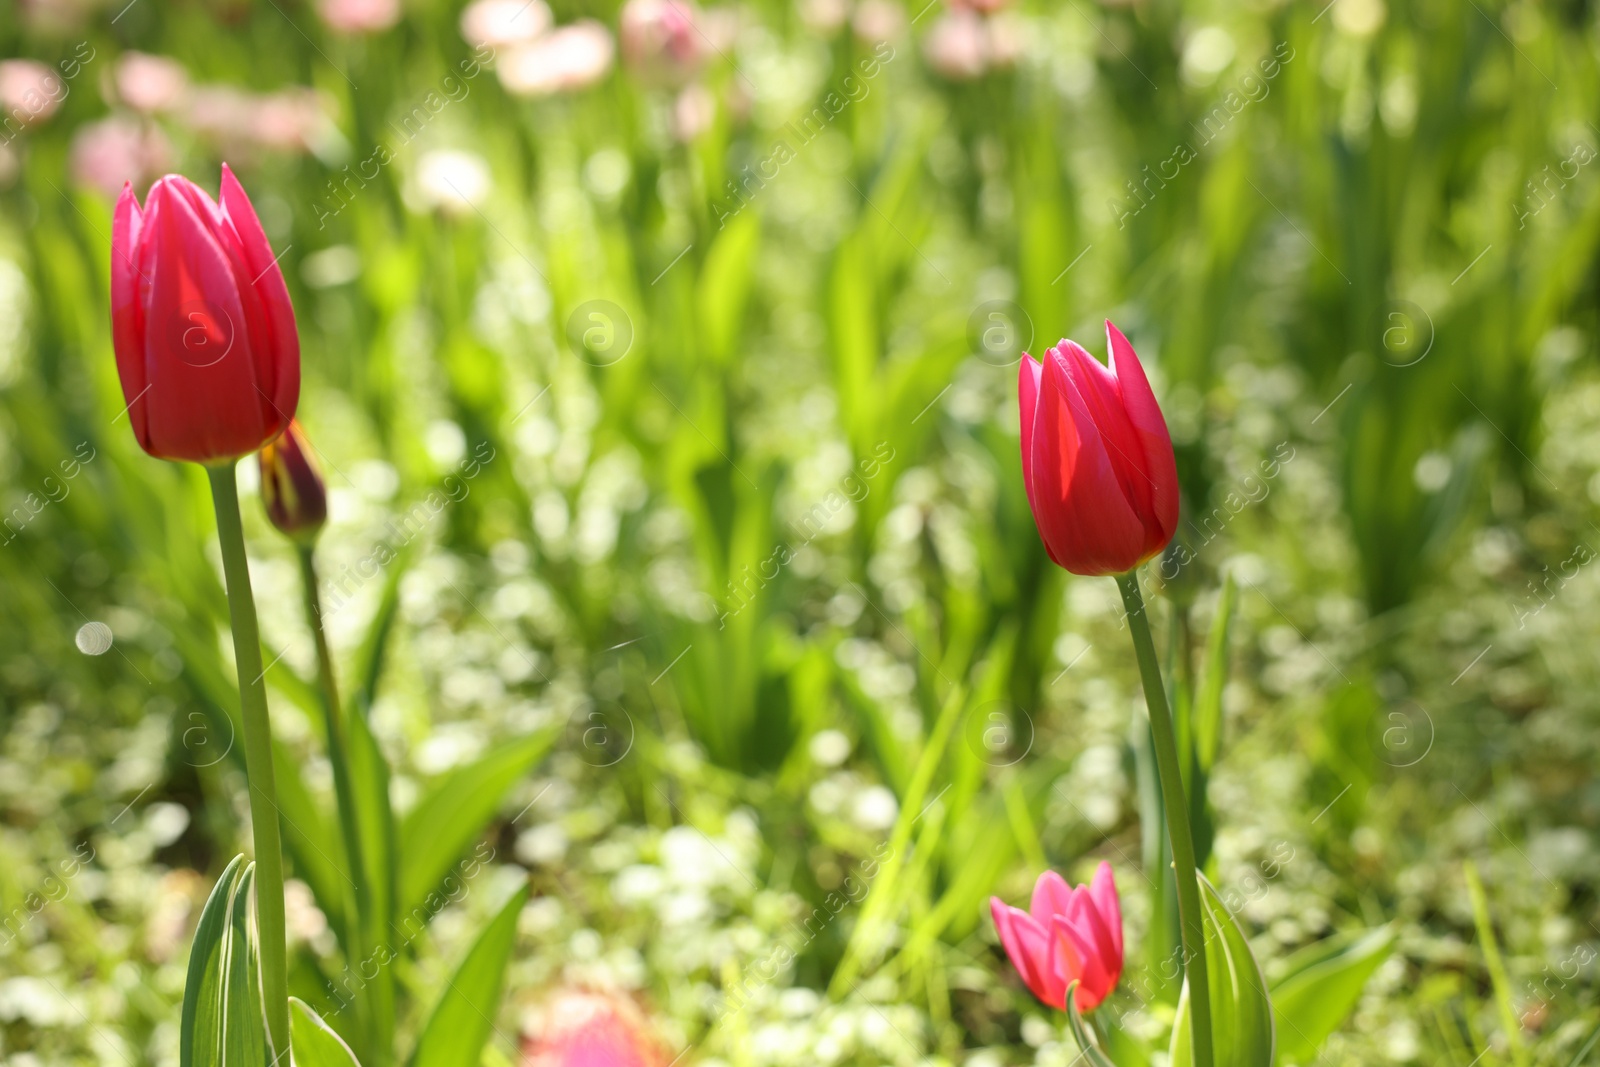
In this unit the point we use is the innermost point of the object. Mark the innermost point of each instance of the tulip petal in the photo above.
(1027, 943)
(1028, 372)
(127, 315)
(1103, 891)
(1051, 895)
(1139, 401)
(280, 370)
(197, 348)
(1076, 944)
(1072, 964)
(1098, 387)
(1084, 517)
(1096, 939)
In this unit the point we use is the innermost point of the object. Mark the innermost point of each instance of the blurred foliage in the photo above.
(721, 479)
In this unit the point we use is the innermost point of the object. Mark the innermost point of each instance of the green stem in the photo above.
(344, 792)
(1177, 812)
(257, 758)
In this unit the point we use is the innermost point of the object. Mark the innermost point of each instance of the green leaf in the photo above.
(368, 667)
(1498, 977)
(369, 781)
(724, 285)
(318, 860)
(1583, 1052)
(314, 1042)
(439, 829)
(201, 989)
(1208, 703)
(1313, 1000)
(1241, 1011)
(242, 1008)
(1080, 1032)
(462, 1020)
(223, 1022)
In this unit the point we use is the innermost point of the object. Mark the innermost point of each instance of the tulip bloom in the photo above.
(1070, 934)
(292, 489)
(205, 337)
(1096, 458)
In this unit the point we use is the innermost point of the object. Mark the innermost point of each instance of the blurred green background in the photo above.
(723, 321)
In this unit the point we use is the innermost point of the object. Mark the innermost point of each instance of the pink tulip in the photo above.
(205, 338)
(1097, 459)
(590, 1030)
(1071, 934)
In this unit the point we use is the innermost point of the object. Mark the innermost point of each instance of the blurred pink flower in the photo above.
(719, 28)
(359, 16)
(590, 1030)
(962, 44)
(662, 39)
(223, 116)
(879, 20)
(987, 6)
(568, 58)
(824, 16)
(290, 120)
(1008, 39)
(693, 112)
(957, 46)
(150, 83)
(30, 92)
(502, 23)
(108, 154)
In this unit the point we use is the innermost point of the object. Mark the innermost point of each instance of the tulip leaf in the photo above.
(460, 1023)
(204, 980)
(1319, 993)
(1208, 702)
(724, 285)
(223, 1021)
(368, 667)
(313, 1040)
(1241, 1011)
(448, 819)
(1087, 1043)
(369, 780)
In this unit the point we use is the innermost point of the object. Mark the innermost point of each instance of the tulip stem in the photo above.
(1177, 812)
(257, 734)
(344, 792)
